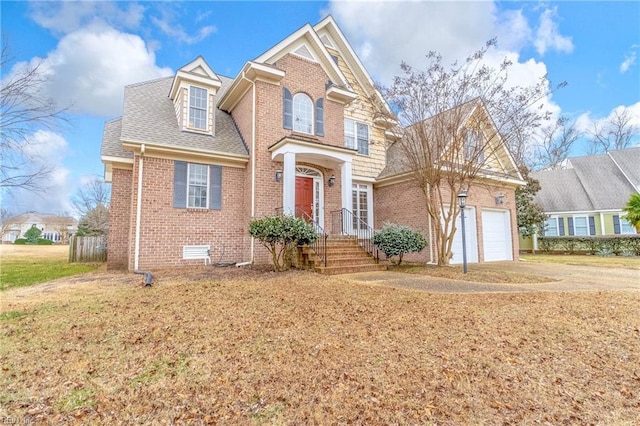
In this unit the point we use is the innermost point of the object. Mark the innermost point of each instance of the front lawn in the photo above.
(23, 265)
(299, 348)
(624, 262)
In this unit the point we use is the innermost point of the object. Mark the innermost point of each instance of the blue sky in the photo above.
(93, 49)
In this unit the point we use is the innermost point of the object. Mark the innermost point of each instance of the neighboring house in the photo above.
(587, 196)
(299, 130)
(55, 228)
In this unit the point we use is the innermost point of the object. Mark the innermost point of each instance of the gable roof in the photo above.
(591, 183)
(307, 37)
(149, 117)
(396, 160)
(329, 29)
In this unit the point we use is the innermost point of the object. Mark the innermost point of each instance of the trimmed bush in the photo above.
(396, 240)
(20, 241)
(280, 235)
(44, 242)
(601, 244)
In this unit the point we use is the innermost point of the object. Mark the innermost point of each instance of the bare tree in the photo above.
(616, 132)
(92, 194)
(453, 121)
(5, 215)
(556, 141)
(24, 109)
(95, 222)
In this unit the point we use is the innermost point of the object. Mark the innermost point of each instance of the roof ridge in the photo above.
(140, 83)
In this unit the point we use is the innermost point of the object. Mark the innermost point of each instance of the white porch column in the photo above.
(289, 184)
(347, 183)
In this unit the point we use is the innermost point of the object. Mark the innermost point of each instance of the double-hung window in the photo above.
(580, 225)
(197, 186)
(197, 108)
(198, 177)
(551, 227)
(356, 136)
(626, 227)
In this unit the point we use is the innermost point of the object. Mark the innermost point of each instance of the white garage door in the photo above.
(470, 237)
(496, 235)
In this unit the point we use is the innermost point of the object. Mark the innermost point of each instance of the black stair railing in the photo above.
(344, 222)
(319, 246)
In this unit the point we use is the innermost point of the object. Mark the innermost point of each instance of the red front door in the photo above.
(304, 197)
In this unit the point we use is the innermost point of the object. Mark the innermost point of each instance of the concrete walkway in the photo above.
(570, 278)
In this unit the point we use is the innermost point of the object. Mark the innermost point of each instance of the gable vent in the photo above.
(304, 52)
(326, 41)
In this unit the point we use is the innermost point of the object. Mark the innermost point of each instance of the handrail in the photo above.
(344, 222)
(319, 246)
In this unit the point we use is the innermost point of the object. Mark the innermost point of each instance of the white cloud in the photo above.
(584, 121)
(44, 148)
(548, 36)
(386, 33)
(168, 25)
(90, 67)
(68, 16)
(629, 60)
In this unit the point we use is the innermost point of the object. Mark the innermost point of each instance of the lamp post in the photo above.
(462, 202)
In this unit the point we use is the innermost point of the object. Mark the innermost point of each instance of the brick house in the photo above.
(299, 130)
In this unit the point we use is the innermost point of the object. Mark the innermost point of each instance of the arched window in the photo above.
(302, 113)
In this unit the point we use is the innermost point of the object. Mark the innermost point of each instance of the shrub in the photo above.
(280, 235)
(20, 241)
(32, 235)
(396, 240)
(602, 245)
(44, 242)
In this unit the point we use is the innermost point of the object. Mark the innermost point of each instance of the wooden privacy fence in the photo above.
(88, 249)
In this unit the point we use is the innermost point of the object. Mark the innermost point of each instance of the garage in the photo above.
(496, 235)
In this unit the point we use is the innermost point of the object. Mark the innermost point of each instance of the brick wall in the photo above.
(119, 220)
(404, 204)
(165, 229)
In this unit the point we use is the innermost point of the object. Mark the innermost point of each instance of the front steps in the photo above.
(344, 255)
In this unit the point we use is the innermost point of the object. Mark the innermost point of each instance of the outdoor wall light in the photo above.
(499, 199)
(331, 181)
(278, 175)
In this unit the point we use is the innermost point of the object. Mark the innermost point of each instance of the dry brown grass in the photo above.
(12, 251)
(474, 274)
(298, 348)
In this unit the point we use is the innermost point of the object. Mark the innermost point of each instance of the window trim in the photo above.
(573, 224)
(627, 224)
(311, 106)
(190, 122)
(356, 138)
(557, 228)
(207, 185)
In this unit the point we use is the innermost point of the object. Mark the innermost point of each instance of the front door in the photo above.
(304, 197)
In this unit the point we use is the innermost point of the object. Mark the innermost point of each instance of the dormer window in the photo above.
(302, 113)
(198, 108)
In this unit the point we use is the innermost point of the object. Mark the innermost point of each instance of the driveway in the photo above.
(569, 278)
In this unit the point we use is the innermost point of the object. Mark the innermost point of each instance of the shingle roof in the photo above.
(592, 183)
(111, 144)
(149, 116)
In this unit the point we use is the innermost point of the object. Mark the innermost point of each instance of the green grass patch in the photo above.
(23, 272)
(585, 260)
(8, 316)
(76, 399)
